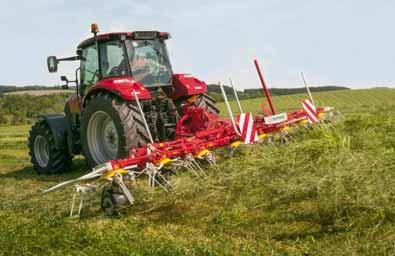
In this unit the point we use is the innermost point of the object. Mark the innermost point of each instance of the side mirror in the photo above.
(79, 52)
(52, 63)
(64, 79)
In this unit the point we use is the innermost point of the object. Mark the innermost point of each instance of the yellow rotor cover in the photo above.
(262, 136)
(165, 161)
(110, 174)
(202, 153)
(236, 144)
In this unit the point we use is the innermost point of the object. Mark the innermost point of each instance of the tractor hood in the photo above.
(187, 85)
(125, 87)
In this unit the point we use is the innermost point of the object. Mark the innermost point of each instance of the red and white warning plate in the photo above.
(310, 110)
(247, 128)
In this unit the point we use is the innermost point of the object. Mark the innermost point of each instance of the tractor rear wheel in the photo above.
(110, 127)
(206, 101)
(45, 157)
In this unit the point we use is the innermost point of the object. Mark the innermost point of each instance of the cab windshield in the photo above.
(149, 62)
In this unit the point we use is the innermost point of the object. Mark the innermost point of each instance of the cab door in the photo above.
(89, 69)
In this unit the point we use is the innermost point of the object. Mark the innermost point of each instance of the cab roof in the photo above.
(137, 35)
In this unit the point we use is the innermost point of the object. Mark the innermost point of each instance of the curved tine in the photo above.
(152, 172)
(191, 168)
(133, 178)
(124, 189)
(73, 204)
(160, 185)
(211, 162)
(81, 203)
(288, 137)
(178, 163)
(153, 178)
(188, 161)
(150, 177)
(324, 123)
(164, 179)
(196, 167)
(193, 161)
(283, 139)
(271, 142)
(140, 173)
(210, 157)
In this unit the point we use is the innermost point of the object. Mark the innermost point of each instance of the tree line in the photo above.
(25, 109)
(215, 91)
(13, 88)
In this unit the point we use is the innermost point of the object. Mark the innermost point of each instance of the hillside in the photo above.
(345, 100)
(23, 109)
(215, 91)
(330, 192)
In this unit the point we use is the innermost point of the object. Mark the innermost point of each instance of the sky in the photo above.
(346, 43)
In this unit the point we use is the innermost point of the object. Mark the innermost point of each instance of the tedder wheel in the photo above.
(107, 202)
(45, 157)
(207, 101)
(110, 127)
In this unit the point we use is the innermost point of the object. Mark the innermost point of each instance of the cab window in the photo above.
(89, 68)
(113, 62)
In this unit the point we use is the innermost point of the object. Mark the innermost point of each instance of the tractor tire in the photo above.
(44, 155)
(110, 127)
(206, 101)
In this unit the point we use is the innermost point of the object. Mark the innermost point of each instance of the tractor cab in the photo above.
(140, 55)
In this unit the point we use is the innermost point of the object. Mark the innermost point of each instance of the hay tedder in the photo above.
(132, 116)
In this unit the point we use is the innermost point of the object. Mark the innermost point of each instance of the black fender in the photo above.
(57, 123)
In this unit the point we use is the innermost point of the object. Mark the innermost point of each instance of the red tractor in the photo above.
(102, 119)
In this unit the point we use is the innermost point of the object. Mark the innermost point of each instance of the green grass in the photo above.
(345, 100)
(330, 192)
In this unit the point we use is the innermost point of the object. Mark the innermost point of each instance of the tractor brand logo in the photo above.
(276, 119)
(198, 87)
(122, 81)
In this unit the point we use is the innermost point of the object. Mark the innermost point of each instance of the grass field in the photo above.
(330, 192)
(347, 101)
